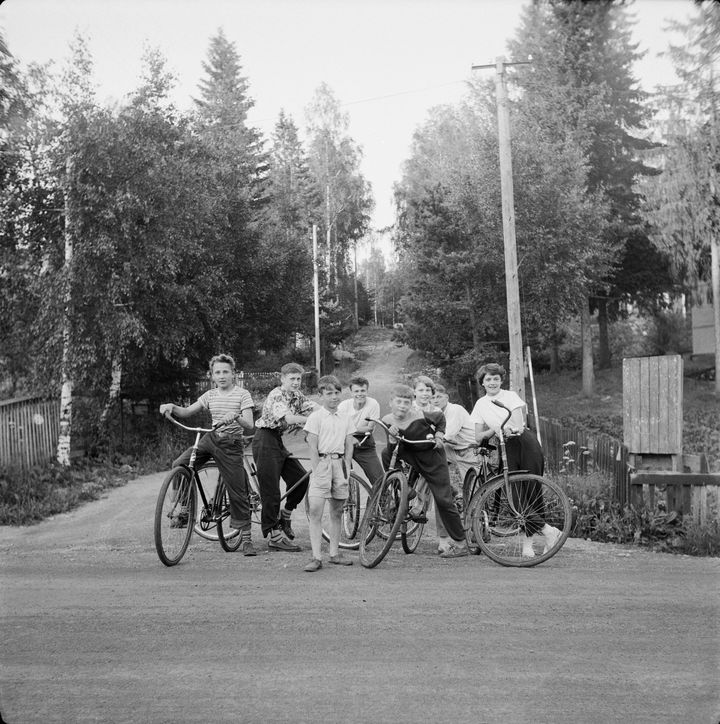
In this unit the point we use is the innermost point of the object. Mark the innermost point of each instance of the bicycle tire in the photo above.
(205, 520)
(228, 536)
(176, 500)
(500, 513)
(470, 485)
(253, 488)
(384, 514)
(410, 534)
(353, 510)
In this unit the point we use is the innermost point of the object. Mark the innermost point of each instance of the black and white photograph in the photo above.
(360, 361)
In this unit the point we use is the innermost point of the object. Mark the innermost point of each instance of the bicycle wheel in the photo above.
(384, 514)
(410, 533)
(174, 513)
(353, 510)
(253, 488)
(470, 485)
(503, 513)
(411, 530)
(205, 520)
(228, 536)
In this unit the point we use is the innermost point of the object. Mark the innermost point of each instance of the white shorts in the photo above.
(328, 480)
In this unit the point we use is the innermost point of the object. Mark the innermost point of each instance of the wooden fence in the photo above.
(29, 429)
(571, 449)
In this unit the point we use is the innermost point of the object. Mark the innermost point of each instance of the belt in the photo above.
(332, 456)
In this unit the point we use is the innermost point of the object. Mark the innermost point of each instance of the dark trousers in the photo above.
(228, 455)
(432, 465)
(366, 457)
(273, 461)
(525, 453)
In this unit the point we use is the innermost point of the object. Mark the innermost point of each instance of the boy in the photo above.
(231, 409)
(459, 450)
(359, 408)
(285, 406)
(428, 460)
(330, 439)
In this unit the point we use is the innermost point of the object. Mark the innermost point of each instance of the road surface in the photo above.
(95, 629)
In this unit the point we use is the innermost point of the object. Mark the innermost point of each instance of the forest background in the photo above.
(137, 239)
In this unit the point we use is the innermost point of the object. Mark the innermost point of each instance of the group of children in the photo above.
(340, 432)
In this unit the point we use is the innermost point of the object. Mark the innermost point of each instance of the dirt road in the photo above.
(95, 629)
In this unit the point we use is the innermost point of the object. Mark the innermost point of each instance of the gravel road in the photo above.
(95, 629)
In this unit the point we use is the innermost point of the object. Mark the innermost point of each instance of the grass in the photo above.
(599, 518)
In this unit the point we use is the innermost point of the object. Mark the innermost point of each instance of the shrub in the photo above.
(29, 496)
(597, 517)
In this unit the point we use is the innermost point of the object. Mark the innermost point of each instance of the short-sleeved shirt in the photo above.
(459, 427)
(332, 429)
(492, 416)
(371, 409)
(281, 402)
(219, 403)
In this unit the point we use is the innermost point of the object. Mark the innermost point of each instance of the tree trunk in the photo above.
(588, 373)
(715, 279)
(604, 357)
(113, 392)
(64, 438)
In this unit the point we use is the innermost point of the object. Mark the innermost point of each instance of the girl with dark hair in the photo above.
(522, 448)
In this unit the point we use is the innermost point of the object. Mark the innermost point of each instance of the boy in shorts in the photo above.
(330, 439)
(428, 460)
(231, 409)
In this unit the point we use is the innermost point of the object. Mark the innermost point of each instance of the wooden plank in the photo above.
(655, 388)
(674, 366)
(698, 503)
(670, 477)
(631, 402)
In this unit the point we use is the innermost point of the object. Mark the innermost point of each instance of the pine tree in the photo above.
(582, 85)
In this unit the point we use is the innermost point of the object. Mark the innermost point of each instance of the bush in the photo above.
(597, 517)
(29, 496)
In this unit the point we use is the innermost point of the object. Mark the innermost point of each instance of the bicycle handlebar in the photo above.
(399, 437)
(169, 416)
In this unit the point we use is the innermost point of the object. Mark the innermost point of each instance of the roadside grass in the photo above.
(29, 496)
(599, 518)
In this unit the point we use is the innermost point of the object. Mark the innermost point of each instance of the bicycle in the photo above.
(387, 515)
(501, 507)
(177, 514)
(358, 493)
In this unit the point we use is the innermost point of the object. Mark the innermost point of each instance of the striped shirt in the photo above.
(220, 403)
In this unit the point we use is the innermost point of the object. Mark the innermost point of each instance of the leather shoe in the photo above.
(283, 544)
(314, 565)
(340, 560)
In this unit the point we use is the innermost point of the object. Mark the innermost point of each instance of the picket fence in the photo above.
(29, 430)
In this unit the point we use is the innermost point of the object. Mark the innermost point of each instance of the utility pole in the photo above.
(512, 286)
(316, 295)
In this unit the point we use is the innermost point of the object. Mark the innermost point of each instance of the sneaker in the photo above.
(286, 527)
(527, 547)
(283, 544)
(181, 520)
(314, 565)
(456, 550)
(247, 548)
(340, 560)
(552, 535)
(444, 544)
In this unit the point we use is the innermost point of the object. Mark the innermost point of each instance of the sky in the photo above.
(387, 61)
